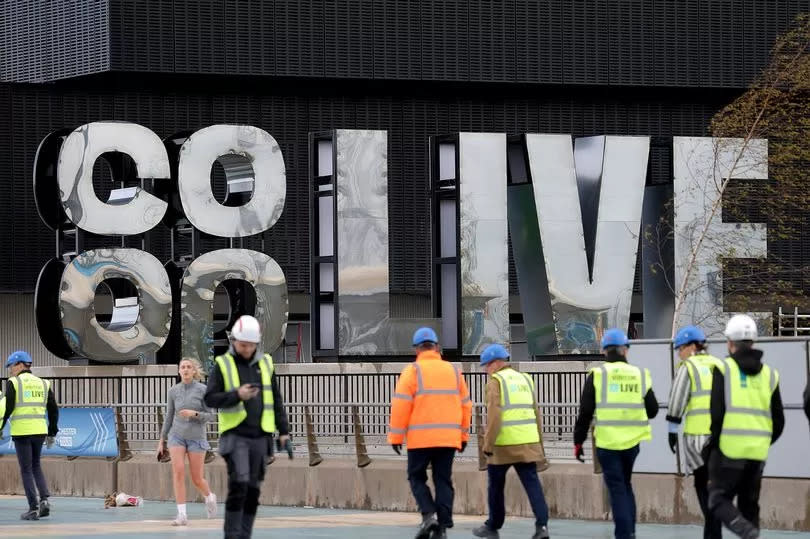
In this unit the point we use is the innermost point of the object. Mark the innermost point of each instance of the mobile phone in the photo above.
(257, 386)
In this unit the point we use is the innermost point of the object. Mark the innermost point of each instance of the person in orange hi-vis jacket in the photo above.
(430, 412)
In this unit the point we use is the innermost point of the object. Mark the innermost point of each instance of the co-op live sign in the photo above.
(475, 202)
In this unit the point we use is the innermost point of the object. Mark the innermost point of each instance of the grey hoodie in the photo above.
(186, 397)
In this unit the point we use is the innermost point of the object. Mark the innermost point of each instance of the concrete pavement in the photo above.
(86, 517)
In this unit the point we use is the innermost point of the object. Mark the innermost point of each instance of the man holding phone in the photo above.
(243, 386)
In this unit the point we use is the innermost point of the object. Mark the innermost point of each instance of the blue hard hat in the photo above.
(19, 356)
(423, 335)
(614, 337)
(688, 335)
(493, 352)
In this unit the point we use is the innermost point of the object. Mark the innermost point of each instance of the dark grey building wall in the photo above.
(694, 43)
(46, 40)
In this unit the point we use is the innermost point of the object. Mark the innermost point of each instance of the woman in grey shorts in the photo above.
(184, 428)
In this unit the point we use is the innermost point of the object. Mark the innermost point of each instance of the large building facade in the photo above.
(414, 68)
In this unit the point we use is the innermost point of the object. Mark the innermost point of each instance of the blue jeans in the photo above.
(617, 469)
(527, 472)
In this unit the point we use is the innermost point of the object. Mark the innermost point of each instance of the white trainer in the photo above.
(211, 505)
(180, 520)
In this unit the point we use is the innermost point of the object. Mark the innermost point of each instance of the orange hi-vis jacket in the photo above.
(431, 405)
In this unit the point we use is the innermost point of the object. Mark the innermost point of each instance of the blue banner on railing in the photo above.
(83, 432)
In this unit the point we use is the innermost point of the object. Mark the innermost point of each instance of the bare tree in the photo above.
(776, 109)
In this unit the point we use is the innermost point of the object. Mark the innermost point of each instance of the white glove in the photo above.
(49, 441)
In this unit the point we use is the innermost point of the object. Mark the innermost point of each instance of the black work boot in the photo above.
(440, 533)
(743, 528)
(428, 526)
(31, 514)
(247, 525)
(44, 508)
(540, 532)
(485, 531)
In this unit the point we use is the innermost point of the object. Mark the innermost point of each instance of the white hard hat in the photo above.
(246, 329)
(741, 327)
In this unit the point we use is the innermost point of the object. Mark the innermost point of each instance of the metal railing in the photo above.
(793, 324)
(334, 429)
(331, 400)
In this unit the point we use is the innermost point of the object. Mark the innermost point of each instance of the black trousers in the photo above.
(712, 527)
(246, 460)
(29, 451)
(441, 460)
(734, 477)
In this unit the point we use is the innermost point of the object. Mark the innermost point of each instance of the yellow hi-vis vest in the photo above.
(230, 418)
(2, 404)
(747, 425)
(621, 419)
(518, 412)
(30, 409)
(698, 412)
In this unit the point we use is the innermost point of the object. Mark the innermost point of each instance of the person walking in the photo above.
(513, 438)
(621, 398)
(690, 396)
(431, 412)
(184, 429)
(31, 407)
(243, 386)
(747, 417)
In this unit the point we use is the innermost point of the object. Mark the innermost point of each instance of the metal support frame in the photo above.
(445, 189)
(322, 186)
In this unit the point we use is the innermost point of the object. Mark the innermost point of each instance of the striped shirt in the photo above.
(678, 400)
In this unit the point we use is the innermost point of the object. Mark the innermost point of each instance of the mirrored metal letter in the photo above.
(700, 165)
(269, 184)
(143, 322)
(362, 241)
(129, 211)
(611, 170)
(200, 281)
(484, 256)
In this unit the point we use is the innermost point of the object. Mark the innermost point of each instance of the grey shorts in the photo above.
(191, 446)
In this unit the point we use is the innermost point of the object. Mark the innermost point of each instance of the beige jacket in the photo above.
(508, 454)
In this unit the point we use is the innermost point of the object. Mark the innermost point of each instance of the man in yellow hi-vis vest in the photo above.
(747, 417)
(31, 407)
(620, 395)
(243, 386)
(689, 398)
(513, 437)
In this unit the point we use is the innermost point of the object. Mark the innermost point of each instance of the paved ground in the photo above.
(80, 517)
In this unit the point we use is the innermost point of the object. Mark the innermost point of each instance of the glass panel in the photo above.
(326, 277)
(447, 222)
(447, 161)
(326, 317)
(449, 306)
(324, 158)
(326, 226)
